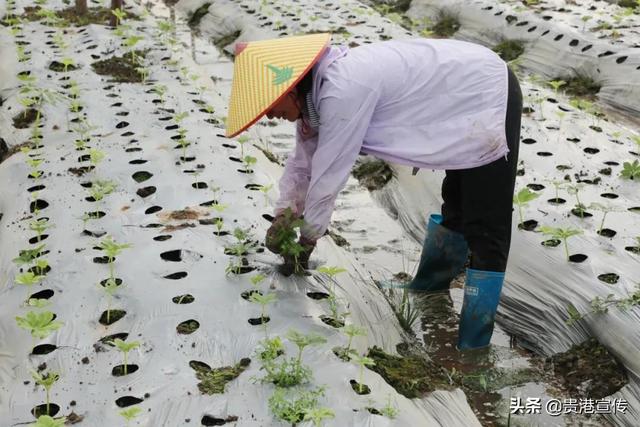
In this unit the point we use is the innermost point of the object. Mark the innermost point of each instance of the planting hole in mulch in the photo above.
(96, 214)
(174, 255)
(544, 153)
(635, 209)
(318, 295)
(529, 141)
(36, 239)
(209, 203)
(528, 225)
(137, 162)
(118, 371)
(588, 370)
(162, 237)
(103, 282)
(253, 186)
(247, 171)
(609, 195)
(39, 271)
(220, 233)
(133, 149)
(197, 365)
(183, 299)
(153, 209)
(633, 249)
(60, 68)
(578, 258)
(228, 145)
(43, 294)
(208, 420)
(213, 381)
(146, 191)
(610, 278)
(38, 204)
(188, 327)
(209, 221)
(43, 349)
(607, 232)
(332, 322)
(235, 159)
(551, 243)
(557, 201)
(124, 401)
(199, 185)
(35, 188)
(172, 127)
(102, 259)
(114, 316)
(141, 176)
(108, 340)
(23, 119)
(176, 276)
(259, 320)
(81, 170)
(268, 217)
(247, 294)
(581, 213)
(536, 187)
(187, 159)
(359, 389)
(153, 225)
(121, 125)
(590, 150)
(40, 410)
(97, 234)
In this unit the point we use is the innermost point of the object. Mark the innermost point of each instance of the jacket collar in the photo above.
(331, 54)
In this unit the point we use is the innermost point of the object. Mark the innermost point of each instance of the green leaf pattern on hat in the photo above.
(281, 74)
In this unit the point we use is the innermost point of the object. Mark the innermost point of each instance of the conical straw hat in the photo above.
(264, 71)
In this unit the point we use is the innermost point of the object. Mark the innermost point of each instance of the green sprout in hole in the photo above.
(255, 280)
(362, 361)
(390, 411)
(47, 381)
(112, 249)
(28, 279)
(47, 421)
(243, 139)
(39, 225)
(219, 208)
(130, 414)
(631, 170)
(293, 406)
(209, 108)
(352, 331)
(110, 287)
(143, 72)
(263, 300)
(575, 190)
(40, 325)
(318, 414)
(67, 62)
(38, 302)
(160, 90)
(407, 314)
(40, 266)
(270, 349)
(120, 14)
(605, 209)
(265, 189)
(182, 132)
(556, 84)
(179, 117)
(522, 198)
(584, 19)
(561, 233)
(131, 42)
(125, 348)
(26, 256)
(219, 223)
(560, 115)
(302, 341)
(248, 162)
(96, 156)
(100, 188)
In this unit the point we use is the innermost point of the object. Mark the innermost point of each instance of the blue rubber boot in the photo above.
(444, 253)
(481, 297)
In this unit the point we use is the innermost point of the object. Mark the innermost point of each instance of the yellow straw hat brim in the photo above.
(264, 71)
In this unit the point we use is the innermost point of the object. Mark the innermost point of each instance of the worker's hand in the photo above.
(296, 259)
(278, 230)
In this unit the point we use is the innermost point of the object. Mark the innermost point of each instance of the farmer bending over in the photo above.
(432, 104)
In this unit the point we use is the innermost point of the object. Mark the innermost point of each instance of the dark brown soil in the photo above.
(332, 322)
(39, 410)
(114, 316)
(359, 389)
(121, 68)
(23, 119)
(588, 370)
(118, 371)
(188, 327)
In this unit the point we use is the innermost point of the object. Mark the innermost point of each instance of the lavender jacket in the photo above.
(426, 103)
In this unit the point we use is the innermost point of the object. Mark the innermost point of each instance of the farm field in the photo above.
(135, 287)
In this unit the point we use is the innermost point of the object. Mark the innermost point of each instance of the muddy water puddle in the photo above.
(497, 378)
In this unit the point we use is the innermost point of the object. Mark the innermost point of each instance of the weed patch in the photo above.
(509, 49)
(373, 175)
(212, 381)
(121, 68)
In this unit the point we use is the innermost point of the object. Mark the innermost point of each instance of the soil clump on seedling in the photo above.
(23, 119)
(121, 68)
(373, 175)
(212, 381)
(588, 370)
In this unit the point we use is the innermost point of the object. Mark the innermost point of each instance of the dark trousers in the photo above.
(478, 202)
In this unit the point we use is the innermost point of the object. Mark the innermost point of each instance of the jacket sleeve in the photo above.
(345, 115)
(297, 171)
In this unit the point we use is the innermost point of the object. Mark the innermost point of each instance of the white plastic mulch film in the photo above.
(172, 259)
(131, 129)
